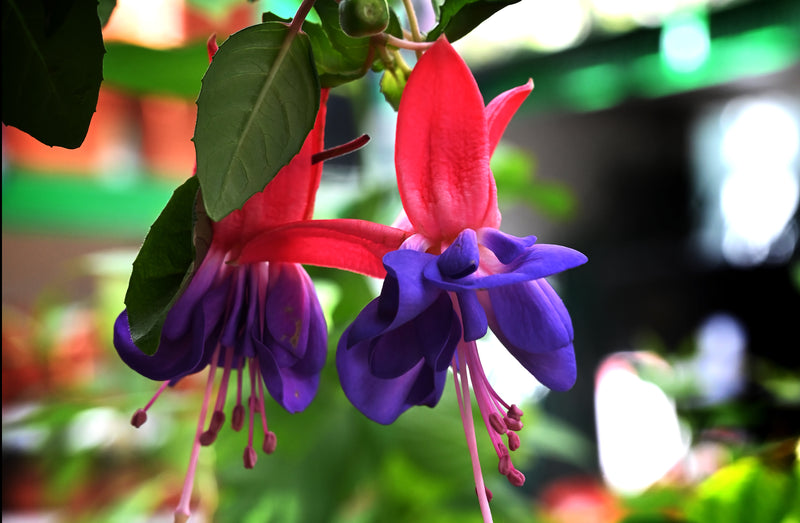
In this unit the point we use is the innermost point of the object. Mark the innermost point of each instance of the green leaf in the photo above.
(747, 490)
(141, 70)
(258, 102)
(52, 68)
(459, 17)
(162, 268)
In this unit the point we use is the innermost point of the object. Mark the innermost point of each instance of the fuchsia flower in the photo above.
(251, 308)
(457, 274)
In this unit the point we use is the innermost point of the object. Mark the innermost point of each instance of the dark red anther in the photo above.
(270, 442)
(208, 437)
(217, 420)
(502, 451)
(513, 424)
(237, 420)
(513, 440)
(504, 466)
(516, 478)
(138, 418)
(488, 493)
(250, 457)
(497, 423)
(514, 412)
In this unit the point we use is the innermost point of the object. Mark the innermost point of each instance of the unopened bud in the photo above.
(138, 418)
(250, 457)
(270, 442)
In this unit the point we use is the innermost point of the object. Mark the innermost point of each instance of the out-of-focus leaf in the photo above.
(215, 8)
(104, 10)
(261, 93)
(162, 268)
(514, 171)
(747, 490)
(52, 68)
(141, 70)
(459, 17)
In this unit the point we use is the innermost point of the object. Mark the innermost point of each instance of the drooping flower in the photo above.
(457, 275)
(252, 310)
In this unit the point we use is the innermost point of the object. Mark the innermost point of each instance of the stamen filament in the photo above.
(249, 453)
(140, 416)
(464, 405)
(237, 420)
(182, 511)
(270, 440)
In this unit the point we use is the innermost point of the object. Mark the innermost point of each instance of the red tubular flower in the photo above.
(251, 308)
(457, 274)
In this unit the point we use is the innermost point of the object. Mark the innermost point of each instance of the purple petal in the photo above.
(291, 372)
(181, 351)
(472, 315)
(293, 390)
(537, 262)
(288, 306)
(211, 274)
(506, 247)
(383, 400)
(531, 316)
(555, 370)
(427, 336)
(461, 257)
(404, 296)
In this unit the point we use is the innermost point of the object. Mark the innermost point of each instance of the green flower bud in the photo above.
(363, 17)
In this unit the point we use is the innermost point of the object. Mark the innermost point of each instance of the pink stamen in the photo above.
(465, 407)
(516, 477)
(250, 456)
(496, 421)
(496, 425)
(513, 424)
(140, 416)
(237, 420)
(270, 439)
(218, 417)
(182, 511)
